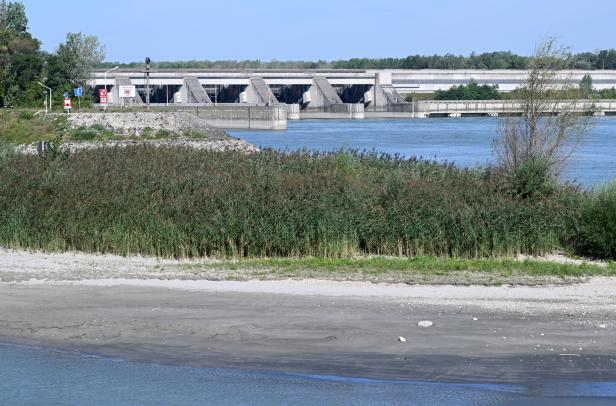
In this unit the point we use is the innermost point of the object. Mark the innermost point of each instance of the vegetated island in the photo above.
(147, 194)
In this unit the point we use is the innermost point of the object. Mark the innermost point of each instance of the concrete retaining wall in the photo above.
(243, 117)
(293, 112)
(343, 111)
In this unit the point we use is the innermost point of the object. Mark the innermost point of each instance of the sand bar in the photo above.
(480, 334)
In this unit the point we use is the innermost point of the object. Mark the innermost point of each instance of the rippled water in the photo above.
(38, 376)
(464, 141)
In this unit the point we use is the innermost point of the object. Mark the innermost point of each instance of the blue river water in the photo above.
(463, 141)
(39, 376)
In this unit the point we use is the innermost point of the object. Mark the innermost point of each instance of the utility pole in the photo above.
(147, 82)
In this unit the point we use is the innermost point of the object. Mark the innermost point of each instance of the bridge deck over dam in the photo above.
(495, 108)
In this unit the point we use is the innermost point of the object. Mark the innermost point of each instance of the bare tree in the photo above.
(553, 121)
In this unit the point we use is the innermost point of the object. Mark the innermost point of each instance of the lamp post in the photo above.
(110, 70)
(147, 82)
(48, 88)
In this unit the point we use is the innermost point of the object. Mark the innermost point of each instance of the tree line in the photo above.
(605, 59)
(24, 66)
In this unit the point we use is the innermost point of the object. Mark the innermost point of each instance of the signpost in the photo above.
(78, 92)
(104, 100)
(67, 103)
(127, 92)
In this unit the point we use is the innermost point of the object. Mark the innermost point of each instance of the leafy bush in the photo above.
(597, 232)
(147, 132)
(89, 133)
(180, 202)
(163, 133)
(26, 115)
(532, 178)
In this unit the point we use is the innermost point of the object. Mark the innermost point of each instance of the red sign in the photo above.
(102, 93)
(67, 103)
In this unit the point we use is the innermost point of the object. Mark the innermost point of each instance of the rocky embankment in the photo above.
(213, 145)
(137, 128)
(134, 124)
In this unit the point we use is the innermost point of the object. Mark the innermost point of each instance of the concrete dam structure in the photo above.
(311, 93)
(343, 94)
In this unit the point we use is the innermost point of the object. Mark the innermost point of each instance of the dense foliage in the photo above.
(21, 60)
(597, 234)
(605, 59)
(179, 202)
(472, 91)
(23, 63)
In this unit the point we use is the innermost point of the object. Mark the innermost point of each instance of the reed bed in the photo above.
(174, 202)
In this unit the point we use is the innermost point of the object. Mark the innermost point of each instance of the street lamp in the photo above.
(112, 69)
(48, 88)
(147, 81)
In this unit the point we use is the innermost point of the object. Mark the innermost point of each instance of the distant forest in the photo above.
(605, 59)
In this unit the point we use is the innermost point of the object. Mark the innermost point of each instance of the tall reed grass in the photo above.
(183, 203)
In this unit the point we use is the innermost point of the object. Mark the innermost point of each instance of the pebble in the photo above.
(425, 323)
(402, 339)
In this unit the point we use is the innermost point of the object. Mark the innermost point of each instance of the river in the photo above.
(463, 141)
(39, 376)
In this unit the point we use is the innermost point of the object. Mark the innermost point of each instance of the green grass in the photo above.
(24, 127)
(428, 265)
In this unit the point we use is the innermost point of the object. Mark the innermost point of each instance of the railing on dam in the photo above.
(495, 107)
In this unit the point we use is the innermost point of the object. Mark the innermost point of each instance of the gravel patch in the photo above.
(211, 145)
(134, 123)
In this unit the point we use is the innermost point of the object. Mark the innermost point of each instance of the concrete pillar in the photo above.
(321, 95)
(383, 96)
(259, 93)
(193, 92)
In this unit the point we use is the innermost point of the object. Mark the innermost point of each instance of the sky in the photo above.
(169, 30)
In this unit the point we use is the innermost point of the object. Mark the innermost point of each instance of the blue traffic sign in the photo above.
(78, 91)
(65, 95)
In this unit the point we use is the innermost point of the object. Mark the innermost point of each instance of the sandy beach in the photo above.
(479, 334)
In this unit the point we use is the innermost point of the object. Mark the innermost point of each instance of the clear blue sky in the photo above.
(321, 29)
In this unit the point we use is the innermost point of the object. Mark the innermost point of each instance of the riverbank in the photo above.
(479, 334)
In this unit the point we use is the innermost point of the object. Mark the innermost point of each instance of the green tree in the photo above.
(13, 17)
(75, 59)
(72, 63)
(586, 89)
(21, 61)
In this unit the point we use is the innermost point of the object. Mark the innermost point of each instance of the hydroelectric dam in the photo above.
(266, 99)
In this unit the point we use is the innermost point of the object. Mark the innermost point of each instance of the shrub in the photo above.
(89, 133)
(163, 133)
(26, 115)
(597, 232)
(531, 179)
